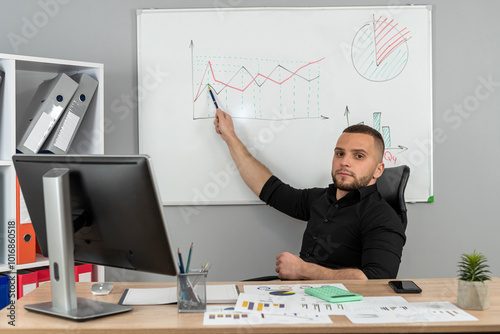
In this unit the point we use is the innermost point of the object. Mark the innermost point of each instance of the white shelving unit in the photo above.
(22, 76)
(41, 261)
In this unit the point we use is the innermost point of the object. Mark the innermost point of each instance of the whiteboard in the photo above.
(292, 79)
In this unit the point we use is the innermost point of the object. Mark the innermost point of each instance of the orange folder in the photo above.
(26, 239)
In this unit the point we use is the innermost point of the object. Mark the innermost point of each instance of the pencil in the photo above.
(189, 258)
(180, 261)
(213, 98)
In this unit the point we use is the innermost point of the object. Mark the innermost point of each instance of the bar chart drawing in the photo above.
(384, 130)
(380, 49)
(386, 134)
(391, 152)
(257, 88)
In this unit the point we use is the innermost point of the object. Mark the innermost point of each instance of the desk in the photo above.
(165, 319)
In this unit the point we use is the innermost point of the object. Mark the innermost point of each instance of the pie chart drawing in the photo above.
(379, 50)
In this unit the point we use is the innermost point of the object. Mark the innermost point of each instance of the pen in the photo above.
(180, 261)
(213, 98)
(189, 258)
(205, 270)
(206, 267)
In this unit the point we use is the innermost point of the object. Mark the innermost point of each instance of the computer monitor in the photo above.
(97, 209)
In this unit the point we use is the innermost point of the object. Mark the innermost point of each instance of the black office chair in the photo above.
(391, 185)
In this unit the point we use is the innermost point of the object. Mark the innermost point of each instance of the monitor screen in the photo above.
(117, 215)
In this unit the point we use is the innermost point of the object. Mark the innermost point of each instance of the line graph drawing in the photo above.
(254, 79)
(256, 88)
(380, 50)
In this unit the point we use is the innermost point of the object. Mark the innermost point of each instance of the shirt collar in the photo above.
(353, 196)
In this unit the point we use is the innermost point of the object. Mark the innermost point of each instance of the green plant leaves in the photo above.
(473, 267)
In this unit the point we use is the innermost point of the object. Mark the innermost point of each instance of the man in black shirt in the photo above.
(352, 233)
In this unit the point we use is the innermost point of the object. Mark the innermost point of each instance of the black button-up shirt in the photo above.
(358, 231)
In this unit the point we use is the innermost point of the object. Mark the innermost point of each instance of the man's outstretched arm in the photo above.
(254, 173)
(289, 266)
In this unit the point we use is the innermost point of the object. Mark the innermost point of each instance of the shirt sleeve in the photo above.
(382, 241)
(284, 198)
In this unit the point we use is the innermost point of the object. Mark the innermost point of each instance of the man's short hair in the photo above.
(367, 130)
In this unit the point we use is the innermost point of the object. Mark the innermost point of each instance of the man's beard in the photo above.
(355, 184)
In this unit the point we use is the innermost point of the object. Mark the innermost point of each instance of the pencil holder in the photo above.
(192, 292)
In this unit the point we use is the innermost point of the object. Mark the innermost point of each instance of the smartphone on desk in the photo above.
(405, 287)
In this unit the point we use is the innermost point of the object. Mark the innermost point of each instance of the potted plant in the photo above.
(473, 279)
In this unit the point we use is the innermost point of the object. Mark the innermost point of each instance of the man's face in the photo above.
(355, 163)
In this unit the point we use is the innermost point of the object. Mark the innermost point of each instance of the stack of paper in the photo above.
(276, 300)
(289, 304)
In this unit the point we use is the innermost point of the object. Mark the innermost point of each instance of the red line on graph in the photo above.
(209, 64)
(202, 78)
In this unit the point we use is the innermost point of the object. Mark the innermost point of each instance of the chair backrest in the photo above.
(391, 186)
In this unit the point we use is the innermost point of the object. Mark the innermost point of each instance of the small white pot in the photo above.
(473, 295)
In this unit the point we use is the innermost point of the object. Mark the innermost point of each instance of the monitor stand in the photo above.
(56, 193)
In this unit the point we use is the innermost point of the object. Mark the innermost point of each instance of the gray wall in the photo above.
(242, 241)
